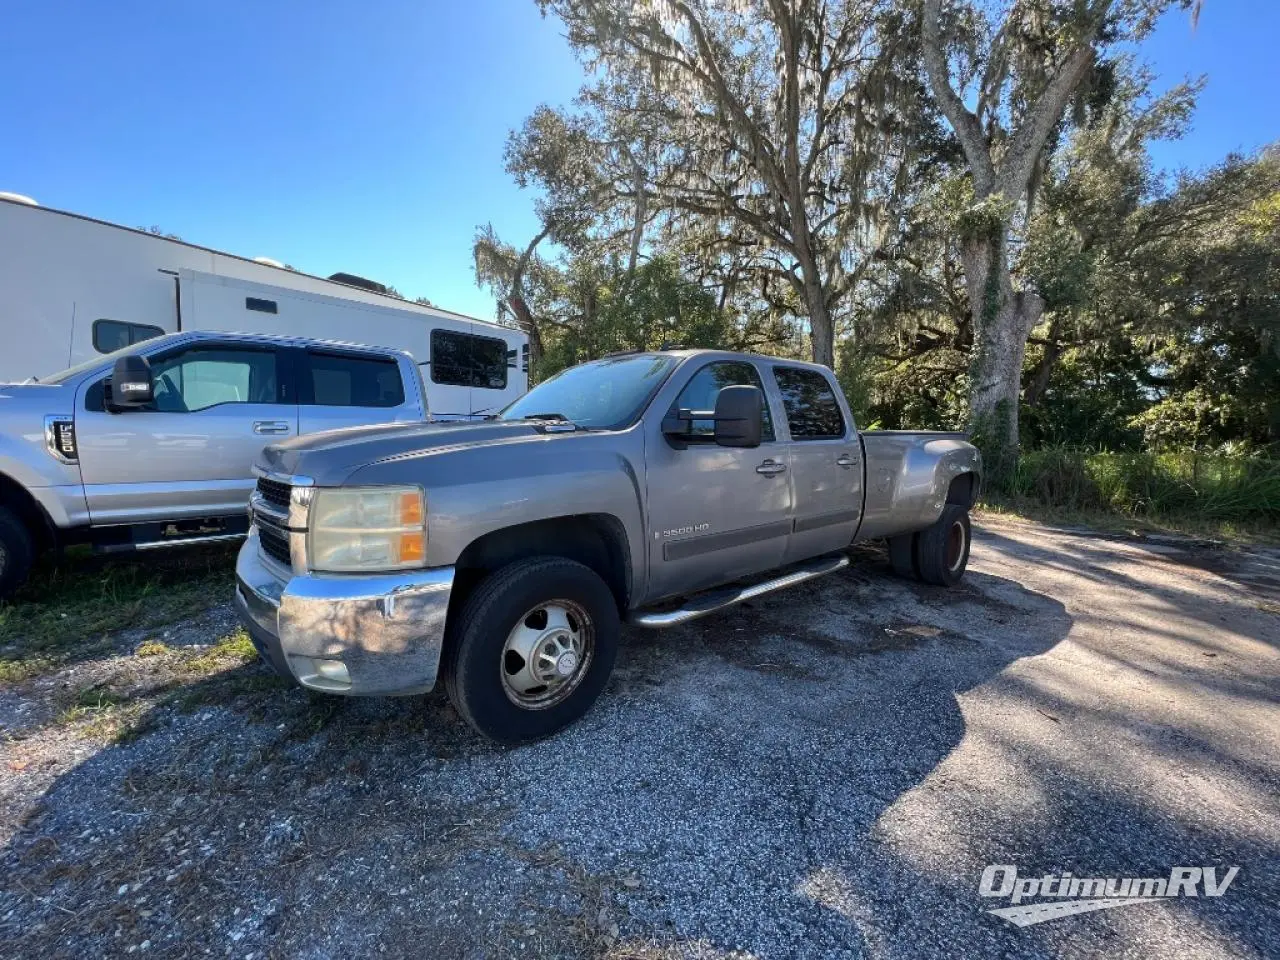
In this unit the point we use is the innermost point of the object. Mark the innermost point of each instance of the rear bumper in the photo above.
(387, 630)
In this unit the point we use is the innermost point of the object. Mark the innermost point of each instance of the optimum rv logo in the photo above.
(1071, 895)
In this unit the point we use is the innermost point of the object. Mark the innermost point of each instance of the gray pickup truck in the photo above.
(503, 556)
(153, 445)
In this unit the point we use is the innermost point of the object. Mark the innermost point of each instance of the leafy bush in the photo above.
(1185, 483)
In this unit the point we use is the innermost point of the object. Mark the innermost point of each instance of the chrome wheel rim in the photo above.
(546, 655)
(955, 546)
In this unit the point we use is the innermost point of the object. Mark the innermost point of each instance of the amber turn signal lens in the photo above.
(413, 548)
(411, 509)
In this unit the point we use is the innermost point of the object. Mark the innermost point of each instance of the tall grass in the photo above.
(1182, 484)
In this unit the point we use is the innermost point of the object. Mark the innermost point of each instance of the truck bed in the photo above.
(909, 476)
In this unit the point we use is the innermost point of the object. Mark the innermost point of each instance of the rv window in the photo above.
(343, 380)
(109, 335)
(463, 360)
(262, 306)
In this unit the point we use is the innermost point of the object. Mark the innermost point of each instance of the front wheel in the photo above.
(942, 550)
(532, 649)
(17, 551)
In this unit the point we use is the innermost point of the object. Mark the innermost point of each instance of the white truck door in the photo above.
(190, 454)
(825, 460)
(348, 389)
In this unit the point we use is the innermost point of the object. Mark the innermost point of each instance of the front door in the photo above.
(715, 513)
(826, 464)
(190, 453)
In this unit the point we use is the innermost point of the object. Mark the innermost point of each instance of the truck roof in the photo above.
(684, 353)
(282, 340)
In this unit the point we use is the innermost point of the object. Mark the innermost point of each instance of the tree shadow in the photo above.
(764, 780)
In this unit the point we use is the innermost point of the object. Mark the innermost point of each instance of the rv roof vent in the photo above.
(269, 262)
(351, 280)
(17, 198)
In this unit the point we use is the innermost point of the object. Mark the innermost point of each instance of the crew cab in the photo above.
(503, 556)
(153, 445)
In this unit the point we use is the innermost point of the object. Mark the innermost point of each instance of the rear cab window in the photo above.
(812, 409)
(351, 380)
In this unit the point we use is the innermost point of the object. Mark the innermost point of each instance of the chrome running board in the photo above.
(713, 600)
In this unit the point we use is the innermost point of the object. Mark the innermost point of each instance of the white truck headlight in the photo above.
(365, 529)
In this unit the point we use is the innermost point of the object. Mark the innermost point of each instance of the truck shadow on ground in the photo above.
(727, 793)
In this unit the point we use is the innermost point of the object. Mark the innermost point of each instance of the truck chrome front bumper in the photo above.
(376, 635)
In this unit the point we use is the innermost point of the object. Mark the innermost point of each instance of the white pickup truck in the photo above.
(153, 445)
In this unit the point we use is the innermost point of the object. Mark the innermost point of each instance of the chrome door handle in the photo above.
(270, 426)
(847, 461)
(770, 467)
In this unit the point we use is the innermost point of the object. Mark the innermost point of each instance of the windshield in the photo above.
(605, 394)
(106, 360)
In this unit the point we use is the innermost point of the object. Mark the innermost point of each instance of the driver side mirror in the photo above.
(739, 416)
(131, 383)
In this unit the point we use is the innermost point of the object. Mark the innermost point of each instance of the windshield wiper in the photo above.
(557, 422)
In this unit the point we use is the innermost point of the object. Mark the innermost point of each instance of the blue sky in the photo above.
(368, 137)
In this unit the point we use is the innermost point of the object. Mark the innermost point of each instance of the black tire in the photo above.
(476, 657)
(17, 552)
(902, 555)
(942, 550)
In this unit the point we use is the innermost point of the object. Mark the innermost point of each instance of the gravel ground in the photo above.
(823, 774)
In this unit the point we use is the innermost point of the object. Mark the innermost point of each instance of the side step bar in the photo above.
(713, 600)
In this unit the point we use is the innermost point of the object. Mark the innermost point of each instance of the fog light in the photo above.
(320, 674)
(333, 670)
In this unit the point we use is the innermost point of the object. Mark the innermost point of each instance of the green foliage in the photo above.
(990, 433)
(1091, 401)
(69, 611)
(1152, 485)
(606, 309)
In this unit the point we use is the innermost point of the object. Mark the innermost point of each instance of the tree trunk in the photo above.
(821, 334)
(1043, 372)
(519, 307)
(1002, 321)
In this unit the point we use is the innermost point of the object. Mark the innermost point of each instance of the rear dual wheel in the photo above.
(938, 554)
(533, 649)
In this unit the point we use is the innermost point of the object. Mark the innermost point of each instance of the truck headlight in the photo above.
(364, 529)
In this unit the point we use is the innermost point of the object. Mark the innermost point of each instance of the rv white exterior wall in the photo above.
(60, 272)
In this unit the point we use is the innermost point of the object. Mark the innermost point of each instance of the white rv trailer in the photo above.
(72, 288)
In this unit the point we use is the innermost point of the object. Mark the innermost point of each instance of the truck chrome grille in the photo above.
(274, 543)
(275, 492)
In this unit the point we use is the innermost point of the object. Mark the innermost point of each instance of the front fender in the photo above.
(476, 491)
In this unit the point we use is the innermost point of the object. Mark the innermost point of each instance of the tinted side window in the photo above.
(813, 413)
(700, 394)
(111, 335)
(207, 376)
(343, 380)
(463, 360)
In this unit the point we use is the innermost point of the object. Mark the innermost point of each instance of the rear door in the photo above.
(826, 463)
(339, 388)
(190, 453)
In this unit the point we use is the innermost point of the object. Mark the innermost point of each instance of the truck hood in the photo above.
(35, 399)
(330, 457)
